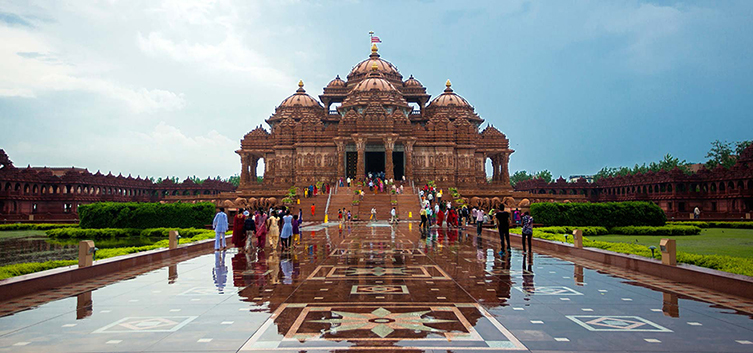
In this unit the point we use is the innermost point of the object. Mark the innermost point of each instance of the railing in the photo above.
(334, 112)
(415, 112)
(329, 197)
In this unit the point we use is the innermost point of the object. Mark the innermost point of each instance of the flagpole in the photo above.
(371, 37)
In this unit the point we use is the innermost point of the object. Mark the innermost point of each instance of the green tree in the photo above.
(546, 175)
(519, 176)
(235, 180)
(720, 154)
(741, 146)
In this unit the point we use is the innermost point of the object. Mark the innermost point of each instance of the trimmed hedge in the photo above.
(731, 264)
(606, 214)
(590, 231)
(145, 215)
(703, 224)
(108, 233)
(35, 226)
(31, 267)
(663, 230)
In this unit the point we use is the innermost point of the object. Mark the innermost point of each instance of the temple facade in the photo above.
(375, 121)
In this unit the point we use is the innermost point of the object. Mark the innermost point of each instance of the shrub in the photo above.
(108, 233)
(663, 230)
(590, 231)
(145, 215)
(607, 214)
(739, 225)
(34, 226)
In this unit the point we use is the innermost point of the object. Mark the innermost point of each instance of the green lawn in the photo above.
(711, 241)
(11, 234)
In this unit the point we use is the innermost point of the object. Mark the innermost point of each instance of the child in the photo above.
(296, 231)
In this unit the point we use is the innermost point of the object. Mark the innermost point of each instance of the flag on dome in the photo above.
(375, 39)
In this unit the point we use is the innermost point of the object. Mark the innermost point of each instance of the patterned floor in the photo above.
(378, 288)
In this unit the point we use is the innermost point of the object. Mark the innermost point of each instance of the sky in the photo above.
(169, 88)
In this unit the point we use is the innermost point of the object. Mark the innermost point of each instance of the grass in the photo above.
(31, 267)
(711, 241)
(12, 234)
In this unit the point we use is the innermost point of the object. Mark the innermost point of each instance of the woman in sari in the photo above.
(273, 230)
(261, 229)
(239, 234)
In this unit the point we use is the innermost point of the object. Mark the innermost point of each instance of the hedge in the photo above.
(663, 230)
(703, 224)
(34, 226)
(145, 215)
(107, 233)
(606, 214)
(590, 231)
(31, 267)
(731, 264)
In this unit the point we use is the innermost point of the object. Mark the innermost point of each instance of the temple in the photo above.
(375, 122)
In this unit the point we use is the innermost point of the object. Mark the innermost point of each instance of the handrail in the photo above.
(329, 197)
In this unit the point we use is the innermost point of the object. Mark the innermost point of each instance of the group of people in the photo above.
(313, 190)
(277, 226)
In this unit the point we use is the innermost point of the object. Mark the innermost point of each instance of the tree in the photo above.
(741, 146)
(546, 175)
(519, 176)
(720, 154)
(235, 180)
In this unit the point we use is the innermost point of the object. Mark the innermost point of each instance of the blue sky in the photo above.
(170, 87)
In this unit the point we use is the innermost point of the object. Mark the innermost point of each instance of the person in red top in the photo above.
(440, 217)
(313, 209)
(239, 234)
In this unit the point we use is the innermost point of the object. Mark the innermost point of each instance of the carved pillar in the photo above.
(495, 169)
(340, 157)
(361, 166)
(269, 166)
(254, 164)
(409, 158)
(505, 175)
(244, 169)
(389, 167)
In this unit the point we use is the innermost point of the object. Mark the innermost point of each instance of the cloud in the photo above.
(32, 65)
(12, 19)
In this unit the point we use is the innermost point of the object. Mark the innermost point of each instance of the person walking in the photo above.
(393, 215)
(287, 230)
(219, 224)
(422, 225)
(516, 217)
(503, 225)
(273, 230)
(296, 231)
(527, 221)
(479, 221)
(340, 215)
(313, 210)
(249, 226)
(373, 214)
(696, 213)
(261, 229)
(239, 234)
(350, 218)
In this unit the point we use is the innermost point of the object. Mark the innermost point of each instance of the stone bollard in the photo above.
(578, 238)
(410, 214)
(668, 252)
(747, 215)
(173, 242)
(692, 216)
(86, 251)
(669, 305)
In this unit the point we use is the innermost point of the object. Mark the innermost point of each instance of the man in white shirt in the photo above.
(393, 215)
(373, 214)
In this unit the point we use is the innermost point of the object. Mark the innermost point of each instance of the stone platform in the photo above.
(374, 287)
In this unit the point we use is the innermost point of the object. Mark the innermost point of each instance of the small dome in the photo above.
(336, 83)
(449, 98)
(412, 83)
(375, 81)
(300, 99)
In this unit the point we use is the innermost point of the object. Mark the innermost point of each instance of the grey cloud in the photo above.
(14, 20)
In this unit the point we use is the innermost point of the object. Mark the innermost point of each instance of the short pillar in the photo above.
(669, 305)
(691, 215)
(173, 242)
(85, 253)
(747, 215)
(668, 252)
(578, 238)
(578, 275)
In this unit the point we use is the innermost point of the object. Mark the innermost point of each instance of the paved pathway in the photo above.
(371, 288)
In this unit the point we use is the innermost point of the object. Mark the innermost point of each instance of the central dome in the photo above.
(384, 67)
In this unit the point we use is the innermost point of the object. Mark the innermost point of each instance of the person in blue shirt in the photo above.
(219, 224)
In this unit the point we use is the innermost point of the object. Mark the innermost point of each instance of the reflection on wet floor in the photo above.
(378, 287)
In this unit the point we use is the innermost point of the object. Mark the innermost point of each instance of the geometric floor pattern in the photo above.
(378, 289)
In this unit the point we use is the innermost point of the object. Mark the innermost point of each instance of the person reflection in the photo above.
(220, 271)
(287, 268)
(452, 236)
(273, 262)
(528, 285)
(505, 282)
